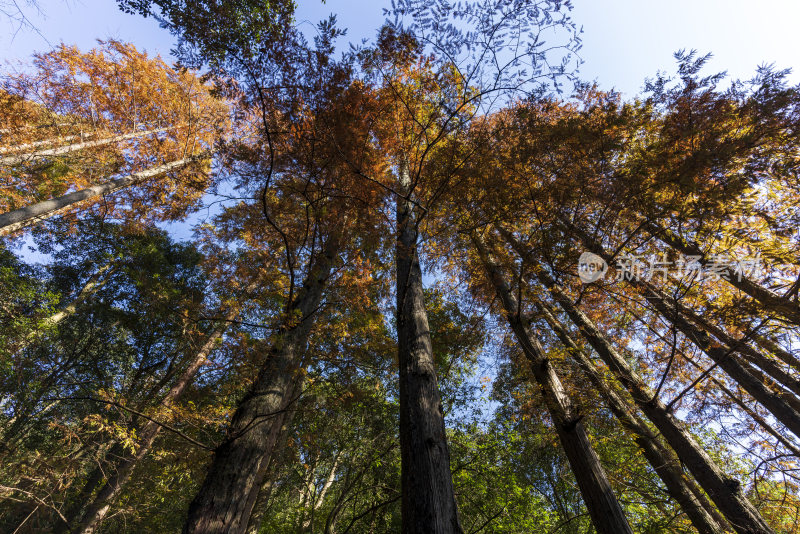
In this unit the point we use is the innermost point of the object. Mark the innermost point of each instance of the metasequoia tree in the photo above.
(119, 113)
(433, 78)
(306, 203)
(663, 460)
(409, 151)
(724, 492)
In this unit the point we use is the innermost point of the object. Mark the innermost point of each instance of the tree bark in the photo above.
(782, 354)
(23, 217)
(428, 499)
(97, 510)
(724, 491)
(663, 461)
(267, 486)
(603, 506)
(765, 363)
(226, 498)
(760, 421)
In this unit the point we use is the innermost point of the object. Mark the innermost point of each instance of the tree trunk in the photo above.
(92, 285)
(604, 509)
(99, 507)
(724, 491)
(23, 217)
(37, 144)
(226, 498)
(63, 150)
(782, 354)
(663, 461)
(771, 301)
(428, 500)
(767, 427)
(317, 499)
(726, 359)
(95, 478)
(267, 486)
(39, 126)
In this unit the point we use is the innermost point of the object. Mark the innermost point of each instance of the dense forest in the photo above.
(432, 282)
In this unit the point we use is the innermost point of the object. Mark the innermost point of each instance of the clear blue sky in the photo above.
(624, 40)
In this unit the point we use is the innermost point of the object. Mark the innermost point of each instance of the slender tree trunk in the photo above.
(102, 502)
(73, 510)
(663, 461)
(428, 500)
(604, 509)
(725, 357)
(724, 491)
(40, 126)
(767, 427)
(771, 301)
(782, 354)
(91, 286)
(67, 149)
(94, 283)
(46, 142)
(319, 499)
(23, 217)
(228, 494)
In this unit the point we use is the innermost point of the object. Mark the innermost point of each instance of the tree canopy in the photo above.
(428, 283)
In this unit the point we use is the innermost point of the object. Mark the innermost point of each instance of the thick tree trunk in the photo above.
(23, 217)
(725, 492)
(228, 494)
(771, 301)
(663, 461)
(262, 499)
(99, 507)
(428, 500)
(604, 509)
(67, 149)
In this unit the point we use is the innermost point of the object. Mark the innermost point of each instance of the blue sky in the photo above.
(624, 40)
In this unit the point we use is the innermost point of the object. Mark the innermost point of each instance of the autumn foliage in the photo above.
(306, 290)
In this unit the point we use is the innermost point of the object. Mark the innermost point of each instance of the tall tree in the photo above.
(605, 510)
